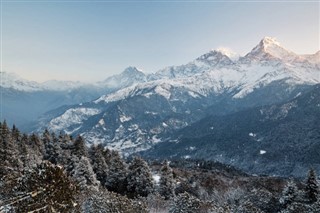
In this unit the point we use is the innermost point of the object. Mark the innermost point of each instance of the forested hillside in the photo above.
(58, 173)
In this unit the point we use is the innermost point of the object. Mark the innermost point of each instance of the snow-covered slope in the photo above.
(13, 81)
(23, 100)
(145, 113)
(313, 58)
(128, 77)
(269, 49)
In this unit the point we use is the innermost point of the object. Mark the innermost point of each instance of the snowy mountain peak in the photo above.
(269, 49)
(215, 58)
(131, 75)
(228, 52)
(132, 69)
(269, 41)
(13, 81)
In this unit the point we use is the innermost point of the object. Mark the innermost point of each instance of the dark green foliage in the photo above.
(46, 187)
(185, 203)
(117, 172)
(9, 160)
(289, 194)
(109, 202)
(59, 174)
(52, 147)
(83, 173)
(312, 188)
(80, 149)
(139, 179)
(166, 185)
(99, 164)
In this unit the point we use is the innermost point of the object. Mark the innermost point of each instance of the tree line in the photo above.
(59, 173)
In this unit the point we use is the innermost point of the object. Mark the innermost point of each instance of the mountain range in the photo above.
(133, 111)
(278, 139)
(23, 101)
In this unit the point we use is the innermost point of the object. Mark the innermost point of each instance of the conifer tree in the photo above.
(185, 203)
(9, 155)
(16, 135)
(117, 173)
(45, 189)
(140, 182)
(83, 173)
(166, 185)
(98, 163)
(80, 149)
(312, 188)
(289, 194)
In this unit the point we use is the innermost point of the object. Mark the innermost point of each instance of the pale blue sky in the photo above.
(89, 41)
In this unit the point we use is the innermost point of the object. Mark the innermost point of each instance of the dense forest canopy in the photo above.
(59, 173)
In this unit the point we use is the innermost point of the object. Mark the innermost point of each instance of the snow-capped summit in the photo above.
(215, 58)
(269, 49)
(228, 52)
(130, 76)
(208, 61)
(177, 96)
(13, 81)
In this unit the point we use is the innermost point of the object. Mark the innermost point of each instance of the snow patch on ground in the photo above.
(163, 90)
(101, 122)
(124, 118)
(155, 139)
(262, 152)
(156, 178)
(252, 134)
(164, 124)
(71, 117)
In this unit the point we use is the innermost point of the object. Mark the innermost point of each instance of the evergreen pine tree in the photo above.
(98, 163)
(83, 173)
(117, 173)
(36, 144)
(46, 188)
(312, 188)
(140, 181)
(23, 151)
(185, 203)
(166, 184)
(9, 154)
(16, 135)
(80, 149)
(79, 166)
(288, 194)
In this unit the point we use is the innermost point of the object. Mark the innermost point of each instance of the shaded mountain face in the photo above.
(280, 139)
(149, 112)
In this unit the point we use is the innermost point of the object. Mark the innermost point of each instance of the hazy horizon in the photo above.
(89, 41)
